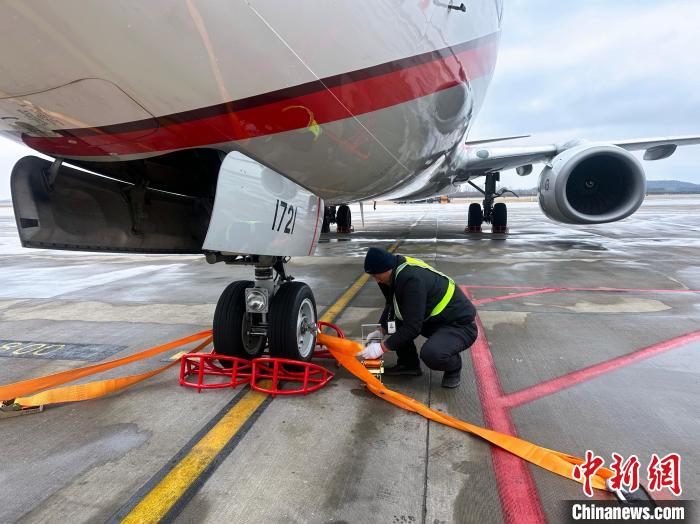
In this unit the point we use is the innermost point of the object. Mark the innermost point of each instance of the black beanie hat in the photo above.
(378, 260)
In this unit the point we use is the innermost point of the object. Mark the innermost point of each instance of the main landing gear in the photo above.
(271, 311)
(342, 217)
(329, 217)
(494, 213)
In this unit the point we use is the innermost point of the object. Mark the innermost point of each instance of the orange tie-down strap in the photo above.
(95, 389)
(344, 351)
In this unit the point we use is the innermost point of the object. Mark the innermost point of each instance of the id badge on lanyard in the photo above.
(391, 323)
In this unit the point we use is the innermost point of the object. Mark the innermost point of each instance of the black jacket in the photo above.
(418, 291)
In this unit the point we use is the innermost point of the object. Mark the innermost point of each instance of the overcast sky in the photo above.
(601, 70)
(596, 69)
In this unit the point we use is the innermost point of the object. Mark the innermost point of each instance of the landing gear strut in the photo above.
(494, 213)
(271, 309)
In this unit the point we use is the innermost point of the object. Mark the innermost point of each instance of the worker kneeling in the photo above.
(419, 301)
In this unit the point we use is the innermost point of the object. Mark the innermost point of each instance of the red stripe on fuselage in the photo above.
(318, 215)
(331, 99)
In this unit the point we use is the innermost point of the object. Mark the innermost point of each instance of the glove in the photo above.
(374, 336)
(373, 350)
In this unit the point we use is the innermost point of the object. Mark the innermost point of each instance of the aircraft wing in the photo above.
(482, 160)
(478, 160)
(658, 148)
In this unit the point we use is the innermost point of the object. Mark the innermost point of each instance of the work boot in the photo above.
(451, 379)
(403, 369)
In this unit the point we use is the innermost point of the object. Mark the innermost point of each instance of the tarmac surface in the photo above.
(562, 363)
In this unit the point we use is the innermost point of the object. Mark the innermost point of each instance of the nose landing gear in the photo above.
(272, 309)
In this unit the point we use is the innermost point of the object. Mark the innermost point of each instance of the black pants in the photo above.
(441, 349)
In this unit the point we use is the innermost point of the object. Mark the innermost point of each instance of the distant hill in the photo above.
(671, 186)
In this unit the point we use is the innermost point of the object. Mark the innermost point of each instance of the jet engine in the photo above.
(591, 184)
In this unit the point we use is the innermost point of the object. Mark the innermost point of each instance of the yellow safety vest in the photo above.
(445, 299)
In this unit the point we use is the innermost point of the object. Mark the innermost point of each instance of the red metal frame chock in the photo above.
(311, 377)
(472, 229)
(202, 365)
(308, 376)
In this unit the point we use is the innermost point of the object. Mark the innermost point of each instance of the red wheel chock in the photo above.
(200, 365)
(305, 376)
(308, 376)
(499, 229)
(472, 229)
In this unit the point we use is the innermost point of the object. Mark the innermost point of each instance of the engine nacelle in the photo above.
(592, 184)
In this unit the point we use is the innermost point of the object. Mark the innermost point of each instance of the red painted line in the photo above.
(480, 301)
(318, 214)
(470, 286)
(520, 501)
(628, 290)
(594, 289)
(524, 396)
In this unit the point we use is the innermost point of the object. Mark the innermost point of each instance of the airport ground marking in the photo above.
(168, 492)
(543, 389)
(517, 490)
(593, 289)
(520, 502)
(336, 308)
(480, 301)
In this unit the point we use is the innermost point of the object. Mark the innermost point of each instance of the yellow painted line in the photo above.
(340, 304)
(177, 355)
(154, 506)
(345, 298)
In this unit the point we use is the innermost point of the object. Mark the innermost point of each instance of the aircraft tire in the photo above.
(500, 215)
(343, 217)
(231, 323)
(475, 217)
(292, 322)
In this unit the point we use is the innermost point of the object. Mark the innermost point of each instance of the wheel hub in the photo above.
(306, 328)
(250, 342)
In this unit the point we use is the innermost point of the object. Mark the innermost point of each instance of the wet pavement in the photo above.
(569, 366)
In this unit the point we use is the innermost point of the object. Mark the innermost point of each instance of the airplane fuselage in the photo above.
(350, 99)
